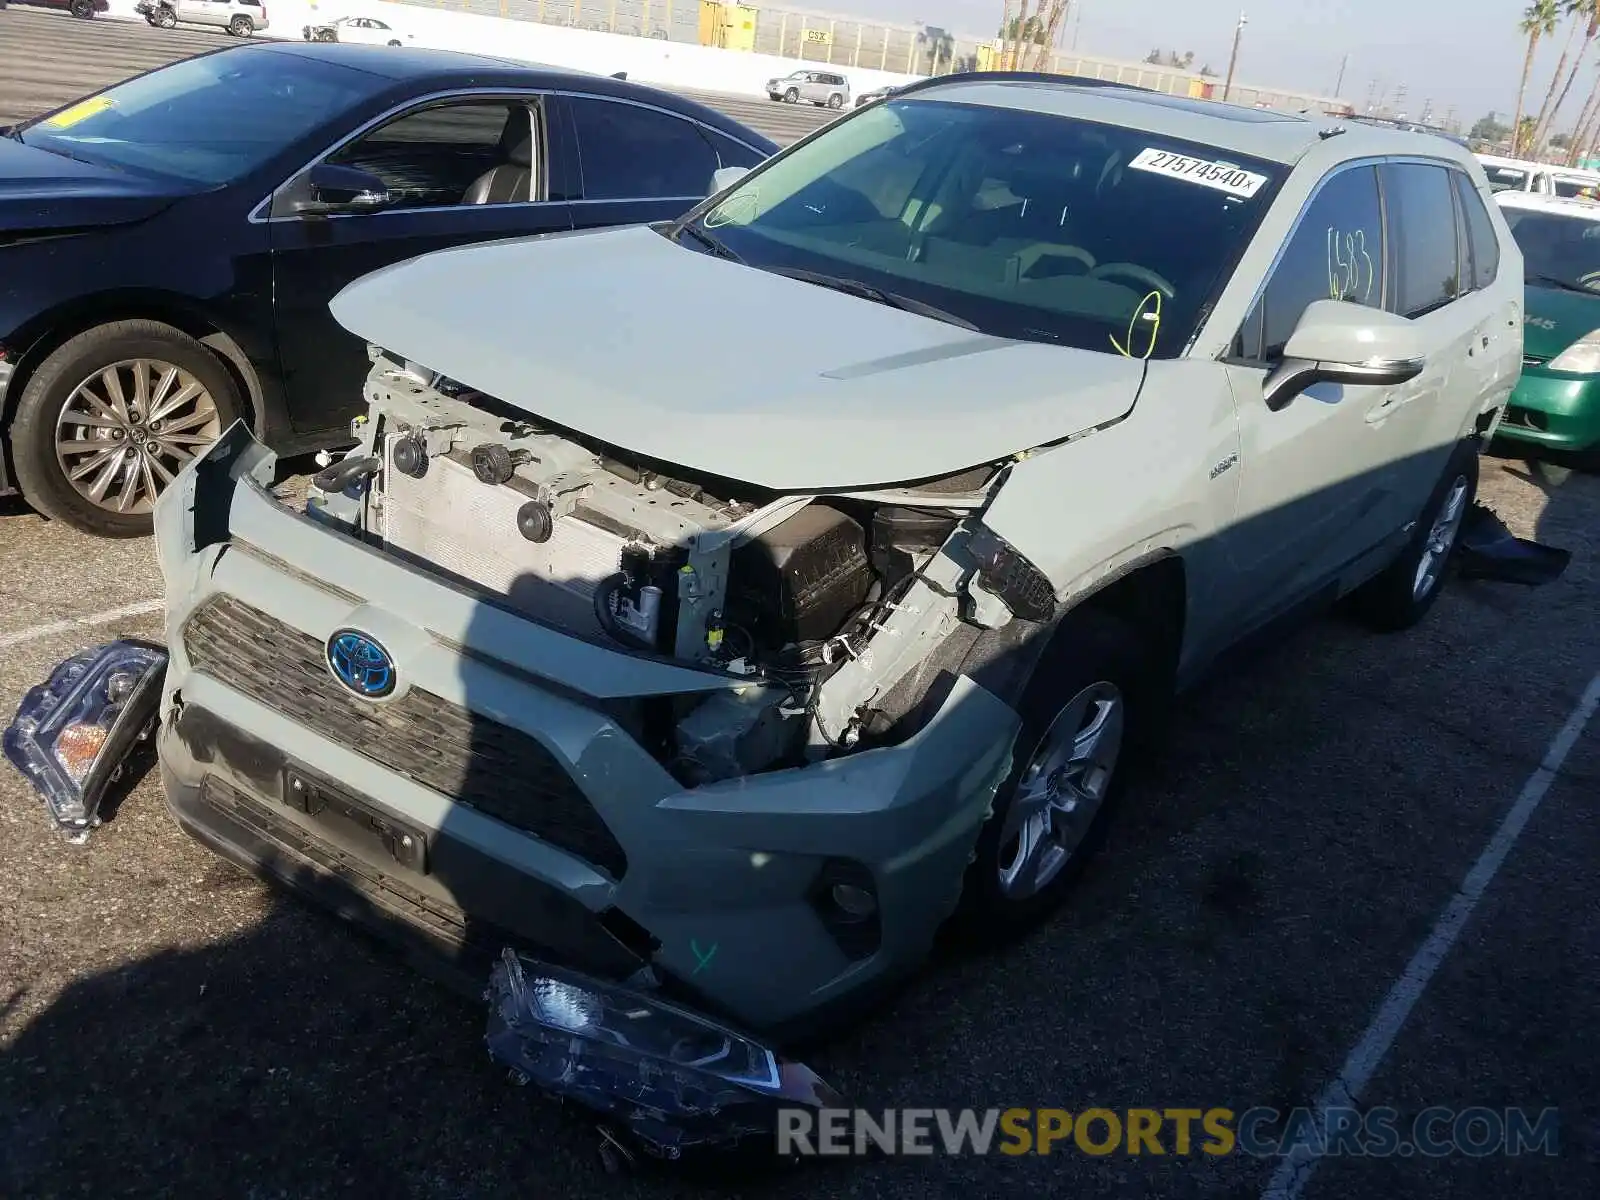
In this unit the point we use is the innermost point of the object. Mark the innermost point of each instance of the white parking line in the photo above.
(1296, 1169)
(34, 632)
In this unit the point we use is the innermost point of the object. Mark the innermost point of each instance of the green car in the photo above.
(1557, 401)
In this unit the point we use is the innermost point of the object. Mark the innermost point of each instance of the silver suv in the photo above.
(822, 88)
(241, 18)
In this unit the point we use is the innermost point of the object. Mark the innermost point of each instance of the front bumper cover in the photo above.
(723, 892)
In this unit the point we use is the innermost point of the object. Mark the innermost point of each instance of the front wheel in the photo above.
(82, 9)
(394, 43)
(792, 96)
(1092, 698)
(111, 417)
(166, 18)
(1403, 593)
(241, 26)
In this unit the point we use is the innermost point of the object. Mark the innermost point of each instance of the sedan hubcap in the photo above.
(127, 430)
(1441, 539)
(1061, 790)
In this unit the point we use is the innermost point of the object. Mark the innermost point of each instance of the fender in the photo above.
(44, 332)
(1162, 481)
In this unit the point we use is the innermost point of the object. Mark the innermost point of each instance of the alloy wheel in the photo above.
(1061, 790)
(126, 431)
(1441, 539)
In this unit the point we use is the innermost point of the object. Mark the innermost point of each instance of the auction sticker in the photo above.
(69, 117)
(1224, 177)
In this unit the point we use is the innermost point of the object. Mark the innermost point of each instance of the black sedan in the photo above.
(168, 247)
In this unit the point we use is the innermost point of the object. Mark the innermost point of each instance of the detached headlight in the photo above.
(1581, 358)
(674, 1079)
(72, 732)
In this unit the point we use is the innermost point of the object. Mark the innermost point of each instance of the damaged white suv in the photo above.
(725, 605)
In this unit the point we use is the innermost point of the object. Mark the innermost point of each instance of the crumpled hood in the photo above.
(44, 191)
(700, 362)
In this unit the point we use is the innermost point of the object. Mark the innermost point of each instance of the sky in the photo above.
(1465, 54)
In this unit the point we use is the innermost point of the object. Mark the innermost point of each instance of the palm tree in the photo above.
(1569, 8)
(1539, 20)
(1583, 133)
(1586, 13)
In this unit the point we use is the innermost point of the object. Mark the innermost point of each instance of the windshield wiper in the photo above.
(710, 243)
(853, 287)
(1564, 284)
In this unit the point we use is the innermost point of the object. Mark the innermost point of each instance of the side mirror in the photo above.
(343, 189)
(1340, 342)
(725, 177)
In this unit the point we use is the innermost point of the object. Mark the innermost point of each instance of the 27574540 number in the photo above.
(1222, 176)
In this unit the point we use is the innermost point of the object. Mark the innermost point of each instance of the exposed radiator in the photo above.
(469, 529)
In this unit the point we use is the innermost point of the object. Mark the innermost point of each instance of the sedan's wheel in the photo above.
(1090, 700)
(792, 96)
(394, 42)
(1403, 593)
(241, 26)
(82, 9)
(111, 417)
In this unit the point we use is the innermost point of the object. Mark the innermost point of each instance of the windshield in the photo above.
(1580, 188)
(207, 120)
(1558, 249)
(1023, 225)
(1506, 179)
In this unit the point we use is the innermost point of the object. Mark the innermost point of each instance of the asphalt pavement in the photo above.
(168, 1026)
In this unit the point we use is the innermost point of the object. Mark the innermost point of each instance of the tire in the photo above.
(836, 101)
(241, 26)
(82, 9)
(167, 19)
(1401, 595)
(42, 476)
(394, 43)
(1094, 654)
(792, 96)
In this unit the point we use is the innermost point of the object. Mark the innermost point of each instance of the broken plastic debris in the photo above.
(1488, 550)
(667, 1079)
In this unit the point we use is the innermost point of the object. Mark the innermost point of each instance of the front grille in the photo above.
(1526, 418)
(493, 768)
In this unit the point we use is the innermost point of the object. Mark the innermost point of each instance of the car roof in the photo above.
(1570, 206)
(425, 69)
(1267, 134)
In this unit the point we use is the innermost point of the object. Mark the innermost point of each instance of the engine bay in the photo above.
(817, 608)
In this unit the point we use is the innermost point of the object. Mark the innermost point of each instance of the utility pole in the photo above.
(1233, 58)
(1339, 82)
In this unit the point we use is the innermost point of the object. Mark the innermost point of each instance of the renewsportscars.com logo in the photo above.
(1257, 1132)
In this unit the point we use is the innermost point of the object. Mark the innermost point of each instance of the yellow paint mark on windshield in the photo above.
(1148, 312)
(69, 117)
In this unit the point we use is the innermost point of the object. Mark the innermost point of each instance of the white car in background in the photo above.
(1541, 179)
(358, 31)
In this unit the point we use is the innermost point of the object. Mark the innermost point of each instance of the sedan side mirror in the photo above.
(726, 177)
(343, 189)
(1340, 342)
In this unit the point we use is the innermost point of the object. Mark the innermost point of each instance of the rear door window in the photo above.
(629, 152)
(1422, 237)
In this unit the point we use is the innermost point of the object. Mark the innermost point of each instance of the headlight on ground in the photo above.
(71, 733)
(673, 1079)
(1581, 358)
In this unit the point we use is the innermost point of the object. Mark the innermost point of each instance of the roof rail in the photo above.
(1014, 77)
